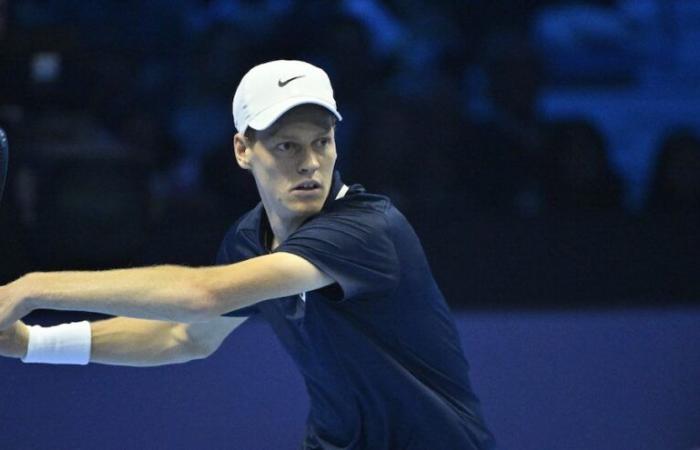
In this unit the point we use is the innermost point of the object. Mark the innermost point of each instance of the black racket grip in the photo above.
(4, 158)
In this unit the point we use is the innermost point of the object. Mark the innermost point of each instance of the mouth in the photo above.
(307, 186)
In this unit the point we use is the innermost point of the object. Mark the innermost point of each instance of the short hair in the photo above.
(251, 134)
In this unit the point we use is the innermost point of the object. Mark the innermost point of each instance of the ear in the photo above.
(241, 151)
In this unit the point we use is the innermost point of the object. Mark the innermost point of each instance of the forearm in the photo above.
(14, 340)
(169, 293)
(142, 343)
(161, 292)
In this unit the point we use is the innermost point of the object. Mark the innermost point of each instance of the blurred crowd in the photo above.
(120, 121)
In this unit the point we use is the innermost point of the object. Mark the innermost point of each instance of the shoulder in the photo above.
(370, 214)
(358, 215)
(359, 202)
(352, 241)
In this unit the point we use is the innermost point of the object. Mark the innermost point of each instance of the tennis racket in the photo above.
(4, 156)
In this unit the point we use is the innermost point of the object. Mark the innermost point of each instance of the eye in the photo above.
(323, 142)
(286, 147)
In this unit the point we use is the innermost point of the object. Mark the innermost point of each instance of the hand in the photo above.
(14, 341)
(12, 306)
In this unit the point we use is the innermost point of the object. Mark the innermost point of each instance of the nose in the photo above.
(309, 162)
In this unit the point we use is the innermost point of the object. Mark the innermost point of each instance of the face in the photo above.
(292, 162)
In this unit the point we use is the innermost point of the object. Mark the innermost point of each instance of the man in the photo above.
(337, 272)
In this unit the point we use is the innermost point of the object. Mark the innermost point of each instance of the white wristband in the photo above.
(63, 344)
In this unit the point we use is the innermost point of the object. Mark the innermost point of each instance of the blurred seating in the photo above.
(675, 183)
(477, 118)
(577, 175)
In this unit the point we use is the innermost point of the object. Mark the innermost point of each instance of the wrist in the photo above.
(22, 340)
(14, 341)
(62, 344)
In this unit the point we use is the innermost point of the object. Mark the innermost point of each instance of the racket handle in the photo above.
(4, 157)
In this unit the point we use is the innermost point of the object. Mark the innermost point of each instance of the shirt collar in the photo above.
(336, 186)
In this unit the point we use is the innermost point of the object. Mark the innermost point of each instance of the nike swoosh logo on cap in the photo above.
(281, 83)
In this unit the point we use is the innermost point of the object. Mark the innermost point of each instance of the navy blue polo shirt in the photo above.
(378, 349)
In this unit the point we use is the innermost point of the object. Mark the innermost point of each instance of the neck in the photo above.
(282, 227)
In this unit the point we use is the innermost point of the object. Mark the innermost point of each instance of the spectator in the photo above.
(508, 136)
(675, 186)
(576, 172)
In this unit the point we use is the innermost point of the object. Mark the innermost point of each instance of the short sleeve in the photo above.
(351, 245)
(225, 256)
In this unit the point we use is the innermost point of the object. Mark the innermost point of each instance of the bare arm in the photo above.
(14, 340)
(169, 293)
(126, 341)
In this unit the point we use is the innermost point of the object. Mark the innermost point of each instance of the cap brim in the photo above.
(267, 117)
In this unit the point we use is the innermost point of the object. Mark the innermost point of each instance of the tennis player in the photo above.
(337, 272)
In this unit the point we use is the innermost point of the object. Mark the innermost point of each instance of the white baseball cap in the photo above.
(271, 89)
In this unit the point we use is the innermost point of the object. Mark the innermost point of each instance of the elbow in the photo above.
(200, 305)
(205, 299)
(216, 291)
(208, 304)
(198, 350)
(189, 346)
